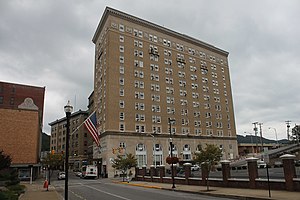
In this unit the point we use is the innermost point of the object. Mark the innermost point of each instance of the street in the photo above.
(89, 189)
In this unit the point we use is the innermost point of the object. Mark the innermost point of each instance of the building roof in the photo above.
(79, 112)
(110, 11)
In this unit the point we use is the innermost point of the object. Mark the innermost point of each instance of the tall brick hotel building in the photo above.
(146, 74)
(21, 120)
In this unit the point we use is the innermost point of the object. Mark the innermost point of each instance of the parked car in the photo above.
(61, 175)
(195, 168)
(261, 164)
(277, 164)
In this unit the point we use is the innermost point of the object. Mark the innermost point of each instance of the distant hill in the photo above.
(247, 139)
(45, 142)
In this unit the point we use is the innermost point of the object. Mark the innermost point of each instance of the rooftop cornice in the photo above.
(117, 13)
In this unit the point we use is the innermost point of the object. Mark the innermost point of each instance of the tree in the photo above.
(208, 157)
(296, 133)
(53, 161)
(5, 160)
(123, 163)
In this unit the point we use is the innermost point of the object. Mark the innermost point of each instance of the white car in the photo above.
(61, 175)
(195, 168)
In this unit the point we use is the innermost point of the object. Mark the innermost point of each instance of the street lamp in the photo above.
(275, 135)
(68, 110)
(171, 147)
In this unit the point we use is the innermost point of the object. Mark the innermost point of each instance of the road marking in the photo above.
(107, 192)
(77, 195)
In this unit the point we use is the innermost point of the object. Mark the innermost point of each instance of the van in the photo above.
(89, 171)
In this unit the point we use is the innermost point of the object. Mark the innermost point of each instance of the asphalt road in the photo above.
(104, 189)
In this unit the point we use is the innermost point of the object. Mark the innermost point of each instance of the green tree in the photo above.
(296, 133)
(5, 160)
(208, 157)
(124, 163)
(53, 162)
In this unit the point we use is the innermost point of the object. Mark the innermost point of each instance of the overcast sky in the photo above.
(48, 43)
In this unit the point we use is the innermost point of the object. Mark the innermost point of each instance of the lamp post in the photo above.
(275, 135)
(68, 110)
(171, 152)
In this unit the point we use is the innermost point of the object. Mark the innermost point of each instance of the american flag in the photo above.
(91, 125)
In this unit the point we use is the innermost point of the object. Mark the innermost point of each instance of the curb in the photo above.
(193, 192)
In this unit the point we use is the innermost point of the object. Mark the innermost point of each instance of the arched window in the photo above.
(141, 155)
(186, 153)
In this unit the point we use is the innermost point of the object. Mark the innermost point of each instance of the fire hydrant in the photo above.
(46, 184)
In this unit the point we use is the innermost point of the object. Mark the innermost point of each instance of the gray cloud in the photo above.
(48, 43)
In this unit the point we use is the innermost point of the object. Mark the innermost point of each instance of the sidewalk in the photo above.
(220, 191)
(35, 191)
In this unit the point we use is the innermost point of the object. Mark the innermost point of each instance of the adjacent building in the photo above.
(145, 75)
(21, 121)
(80, 139)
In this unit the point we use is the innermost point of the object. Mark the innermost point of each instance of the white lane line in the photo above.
(107, 192)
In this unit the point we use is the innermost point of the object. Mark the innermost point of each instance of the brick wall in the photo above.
(20, 135)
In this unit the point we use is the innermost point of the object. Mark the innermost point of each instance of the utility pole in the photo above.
(261, 139)
(255, 132)
(288, 122)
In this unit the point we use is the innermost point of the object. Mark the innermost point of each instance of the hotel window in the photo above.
(121, 49)
(154, 67)
(193, 77)
(154, 77)
(208, 115)
(121, 127)
(139, 95)
(182, 83)
(139, 117)
(195, 95)
(121, 38)
(121, 69)
(135, 32)
(197, 131)
(204, 71)
(170, 110)
(184, 112)
(193, 68)
(121, 116)
(197, 123)
(209, 132)
(140, 128)
(155, 97)
(141, 34)
(121, 103)
(121, 27)
(155, 108)
(121, 59)
(1, 99)
(196, 113)
(121, 92)
(121, 81)
(156, 119)
(156, 129)
(185, 131)
(181, 74)
(182, 93)
(170, 100)
(194, 86)
(196, 104)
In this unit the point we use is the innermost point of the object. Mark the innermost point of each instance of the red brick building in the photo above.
(21, 119)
